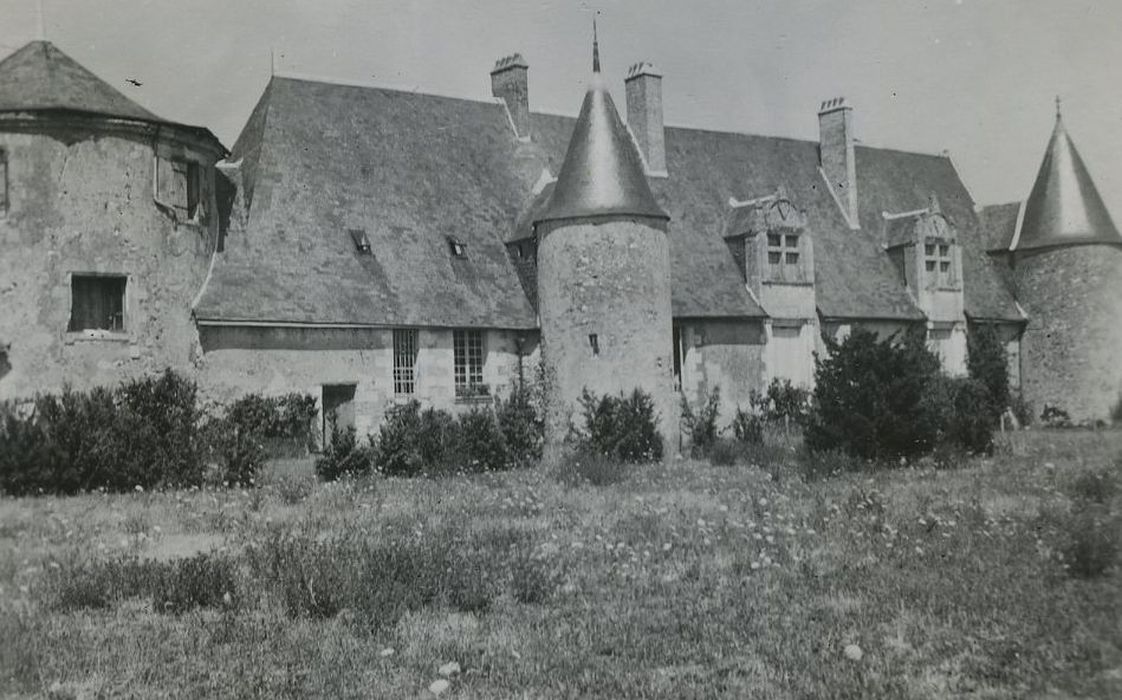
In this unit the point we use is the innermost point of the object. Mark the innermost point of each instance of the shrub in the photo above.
(237, 453)
(702, 426)
(1091, 546)
(1097, 486)
(480, 442)
(963, 410)
(987, 363)
(1022, 409)
(747, 426)
(621, 427)
(579, 467)
(343, 456)
(142, 433)
(870, 396)
(785, 402)
(277, 420)
(522, 426)
(1055, 417)
(725, 452)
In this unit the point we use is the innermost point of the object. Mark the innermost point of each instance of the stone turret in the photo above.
(604, 273)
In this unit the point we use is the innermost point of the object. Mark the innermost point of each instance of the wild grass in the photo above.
(995, 577)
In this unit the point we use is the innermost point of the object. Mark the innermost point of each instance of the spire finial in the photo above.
(595, 46)
(1059, 105)
(272, 61)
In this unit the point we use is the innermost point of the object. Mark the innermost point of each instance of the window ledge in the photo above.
(91, 335)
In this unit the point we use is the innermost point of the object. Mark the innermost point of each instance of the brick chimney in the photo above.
(509, 82)
(644, 114)
(835, 152)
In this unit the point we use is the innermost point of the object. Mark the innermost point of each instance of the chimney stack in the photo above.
(509, 82)
(644, 114)
(835, 152)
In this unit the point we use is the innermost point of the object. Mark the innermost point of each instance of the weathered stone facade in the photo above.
(1073, 297)
(81, 202)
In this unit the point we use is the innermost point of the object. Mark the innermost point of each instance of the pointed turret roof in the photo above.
(41, 77)
(1064, 207)
(602, 174)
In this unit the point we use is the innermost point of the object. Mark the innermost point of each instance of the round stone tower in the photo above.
(604, 274)
(108, 222)
(1066, 260)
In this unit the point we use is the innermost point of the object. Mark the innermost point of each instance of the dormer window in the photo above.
(362, 243)
(783, 249)
(938, 261)
(457, 247)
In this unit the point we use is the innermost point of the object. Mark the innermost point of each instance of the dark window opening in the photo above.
(676, 338)
(187, 186)
(97, 302)
(783, 249)
(467, 350)
(457, 247)
(404, 361)
(3, 181)
(594, 343)
(362, 243)
(938, 259)
(338, 410)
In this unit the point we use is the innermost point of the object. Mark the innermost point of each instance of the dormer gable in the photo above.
(769, 240)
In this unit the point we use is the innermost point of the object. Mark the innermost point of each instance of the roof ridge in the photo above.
(384, 87)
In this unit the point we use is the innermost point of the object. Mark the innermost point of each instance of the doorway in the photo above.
(338, 409)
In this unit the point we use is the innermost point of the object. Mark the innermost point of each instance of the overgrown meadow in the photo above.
(956, 576)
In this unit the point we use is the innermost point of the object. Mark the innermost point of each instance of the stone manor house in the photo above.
(371, 246)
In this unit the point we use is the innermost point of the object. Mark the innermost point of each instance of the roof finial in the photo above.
(595, 46)
(272, 61)
(1059, 105)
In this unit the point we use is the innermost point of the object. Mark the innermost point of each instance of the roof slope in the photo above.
(999, 223)
(40, 76)
(1064, 208)
(895, 181)
(411, 171)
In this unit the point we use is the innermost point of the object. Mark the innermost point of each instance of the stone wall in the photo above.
(81, 202)
(1070, 349)
(724, 353)
(604, 303)
(238, 360)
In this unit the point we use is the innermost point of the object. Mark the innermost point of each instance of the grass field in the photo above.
(680, 580)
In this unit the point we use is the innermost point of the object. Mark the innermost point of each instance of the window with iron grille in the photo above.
(783, 249)
(467, 349)
(938, 261)
(97, 302)
(404, 361)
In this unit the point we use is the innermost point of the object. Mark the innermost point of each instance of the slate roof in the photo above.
(999, 223)
(412, 169)
(41, 78)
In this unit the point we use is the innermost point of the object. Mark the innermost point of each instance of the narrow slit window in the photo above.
(457, 247)
(404, 361)
(594, 343)
(467, 350)
(3, 181)
(97, 302)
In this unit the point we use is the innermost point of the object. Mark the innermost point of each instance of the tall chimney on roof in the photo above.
(835, 152)
(644, 114)
(509, 82)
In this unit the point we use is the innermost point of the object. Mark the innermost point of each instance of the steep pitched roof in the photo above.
(999, 223)
(412, 172)
(39, 76)
(1064, 207)
(602, 173)
(896, 181)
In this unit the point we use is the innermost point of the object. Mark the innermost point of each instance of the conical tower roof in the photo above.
(41, 77)
(603, 172)
(1064, 207)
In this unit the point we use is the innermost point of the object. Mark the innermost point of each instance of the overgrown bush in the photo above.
(238, 454)
(1096, 486)
(786, 403)
(343, 456)
(701, 427)
(580, 467)
(726, 452)
(141, 433)
(870, 396)
(1055, 417)
(987, 363)
(964, 412)
(1091, 543)
(522, 426)
(621, 427)
(747, 426)
(480, 442)
(277, 420)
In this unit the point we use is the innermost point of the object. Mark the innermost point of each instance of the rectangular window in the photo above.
(938, 259)
(467, 347)
(179, 186)
(783, 249)
(404, 361)
(3, 181)
(97, 302)
(360, 239)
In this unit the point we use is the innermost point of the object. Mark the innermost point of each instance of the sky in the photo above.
(976, 77)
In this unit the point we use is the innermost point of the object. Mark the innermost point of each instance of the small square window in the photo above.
(97, 302)
(457, 247)
(774, 240)
(362, 243)
(792, 258)
(930, 265)
(929, 249)
(774, 258)
(944, 251)
(791, 241)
